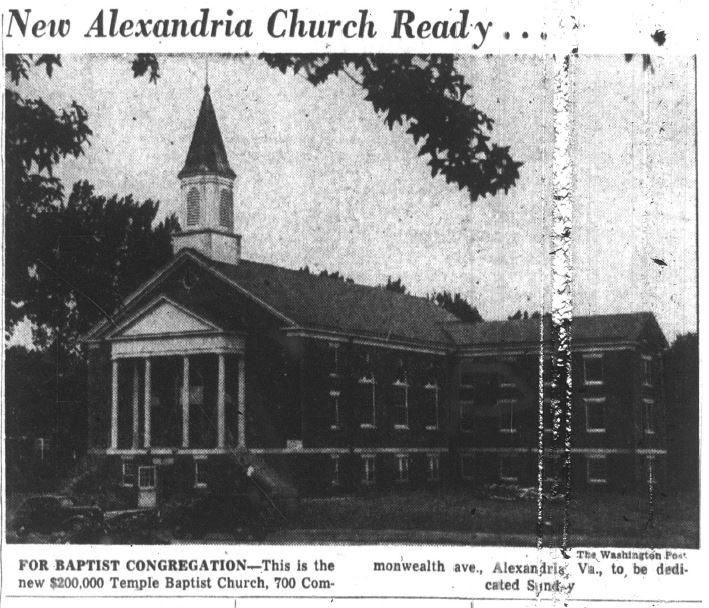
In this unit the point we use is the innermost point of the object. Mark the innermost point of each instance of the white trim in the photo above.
(152, 305)
(155, 473)
(174, 345)
(335, 479)
(360, 450)
(596, 400)
(647, 359)
(400, 470)
(197, 461)
(511, 403)
(587, 357)
(648, 429)
(367, 471)
(323, 334)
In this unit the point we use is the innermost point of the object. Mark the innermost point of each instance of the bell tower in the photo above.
(207, 193)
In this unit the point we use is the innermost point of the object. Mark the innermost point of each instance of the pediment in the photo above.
(164, 317)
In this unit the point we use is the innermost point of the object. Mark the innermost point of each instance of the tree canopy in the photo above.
(69, 261)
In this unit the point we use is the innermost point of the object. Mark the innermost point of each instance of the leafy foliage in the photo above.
(67, 262)
(330, 275)
(457, 305)
(395, 286)
(426, 94)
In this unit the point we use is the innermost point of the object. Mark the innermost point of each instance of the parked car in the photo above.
(55, 512)
(236, 514)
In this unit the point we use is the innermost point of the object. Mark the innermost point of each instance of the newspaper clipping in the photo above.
(381, 303)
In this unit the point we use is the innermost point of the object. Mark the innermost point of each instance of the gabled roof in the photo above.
(626, 327)
(207, 153)
(325, 303)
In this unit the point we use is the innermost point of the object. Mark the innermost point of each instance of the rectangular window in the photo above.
(433, 468)
(595, 415)
(335, 464)
(593, 369)
(40, 447)
(467, 466)
(146, 478)
(401, 404)
(509, 468)
(596, 469)
(128, 473)
(367, 401)
(466, 390)
(334, 366)
(646, 363)
(200, 473)
(649, 416)
(466, 401)
(431, 406)
(335, 422)
(402, 467)
(506, 409)
(368, 469)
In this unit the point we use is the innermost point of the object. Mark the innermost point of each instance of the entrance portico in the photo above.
(178, 384)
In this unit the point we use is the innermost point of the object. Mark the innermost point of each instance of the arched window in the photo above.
(193, 207)
(226, 209)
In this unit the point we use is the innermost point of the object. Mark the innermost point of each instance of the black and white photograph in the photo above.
(353, 299)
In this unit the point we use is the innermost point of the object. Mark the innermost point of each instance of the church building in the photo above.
(321, 386)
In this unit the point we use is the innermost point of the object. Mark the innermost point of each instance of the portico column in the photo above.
(185, 401)
(114, 403)
(220, 402)
(241, 406)
(148, 402)
(136, 405)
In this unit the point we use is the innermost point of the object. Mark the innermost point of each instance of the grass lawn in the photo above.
(601, 519)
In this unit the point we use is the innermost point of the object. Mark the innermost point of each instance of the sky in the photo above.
(322, 181)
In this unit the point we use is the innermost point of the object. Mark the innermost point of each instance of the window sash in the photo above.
(146, 478)
(368, 469)
(368, 410)
(646, 362)
(596, 469)
(335, 410)
(599, 405)
(128, 473)
(431, 406)
(593, 376)
(401, 405)
(200, 473)
(506, 409)
(433, 467)
(403, 467)
(335, 481)
(649, 416)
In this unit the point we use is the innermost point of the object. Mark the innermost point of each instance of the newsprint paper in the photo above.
(314, 304)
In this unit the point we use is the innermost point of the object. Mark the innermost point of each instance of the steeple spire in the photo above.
(207, 154)
(207, 192)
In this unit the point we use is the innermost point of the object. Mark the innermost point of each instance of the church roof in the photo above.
(325, 303)
(207, 153)
(626, 327)
(319, 303)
